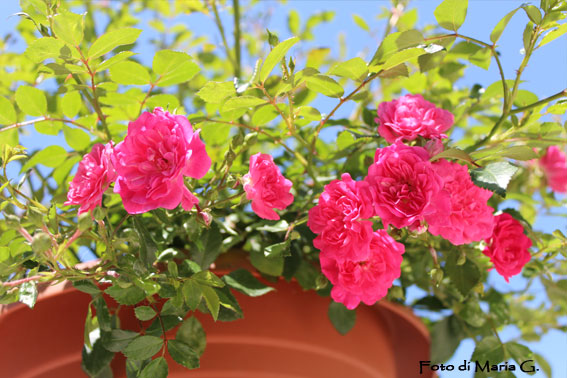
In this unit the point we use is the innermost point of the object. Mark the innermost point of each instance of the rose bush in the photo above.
(416, 195)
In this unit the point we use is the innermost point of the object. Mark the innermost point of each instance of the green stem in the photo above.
(221, 30)
(563, 93)
(237, 59)
(47, 118)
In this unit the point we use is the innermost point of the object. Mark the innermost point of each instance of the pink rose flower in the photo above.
(365, 280)
(554, 165)
(338, 219)
(266, 187)
(508, 247)
(159, 149)
(470, 218)
(411, 116)
(407, 188)
(94, 175)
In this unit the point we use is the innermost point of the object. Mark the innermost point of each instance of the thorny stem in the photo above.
(563, 93)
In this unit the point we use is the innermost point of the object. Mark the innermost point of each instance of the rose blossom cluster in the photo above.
(404, 188)
(148, 169)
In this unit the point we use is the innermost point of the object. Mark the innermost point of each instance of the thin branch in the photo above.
(341, 102)
(221, 30)
(237, 65)
(47, 118)
(563, 93)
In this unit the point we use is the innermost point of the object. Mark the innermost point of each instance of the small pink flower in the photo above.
(339, 217)
(508, 247)
(266, 187)
(365, 280)
(411, 116)
(159, 150)
(554, 165)
(470, 218)
(407, 188)
(93, 177)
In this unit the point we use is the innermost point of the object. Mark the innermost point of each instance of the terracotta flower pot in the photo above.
(283, 334)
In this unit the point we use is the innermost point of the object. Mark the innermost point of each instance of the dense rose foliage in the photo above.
(366, 280)
(508, 247)
(407, 188)
(266, 187)
(94, 175)
(338, 219)
(411, 116)
(554, 165)
(159, 149)
(470, 218)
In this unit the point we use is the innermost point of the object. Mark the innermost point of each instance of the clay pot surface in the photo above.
(284, 334)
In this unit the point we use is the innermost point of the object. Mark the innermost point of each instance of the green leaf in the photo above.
(145, 313)
(212, 300)
(293, 21)
(209, 247)
(47, 48)
(183, 354)
(86, 286)
(148, 246)
(191, 332)
(543, 364)
(126, 296)
(28, 293)
(533, 13)
(275, 56)
(403, 56)
(272, 266)
(494, 177)
(235, 107)
(108, 41)
(446, 335)
(243, 281)
(192, 294)
(173, 67)
(51, 156)
(156, 369)
(95, 359)
(453, 153)
(450, 14)
(77, 139)
(518, 352)
(7, 112)
(118, 339)
(519, 153)
(163, 100)
(31, 100)
(324, 85)
(129, 73)
(143, 347)
(71, 103)
(207, 278)
(121, 56)
(554, 34)
(465, 276)
(354, 69)
(501, 25)
(277, 250)
(488, 349)
(342, 318)
(68, 27)
(214, 92)
(360, 22)
(395, 42)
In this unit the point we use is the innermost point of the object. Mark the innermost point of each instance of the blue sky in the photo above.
(545, 75)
